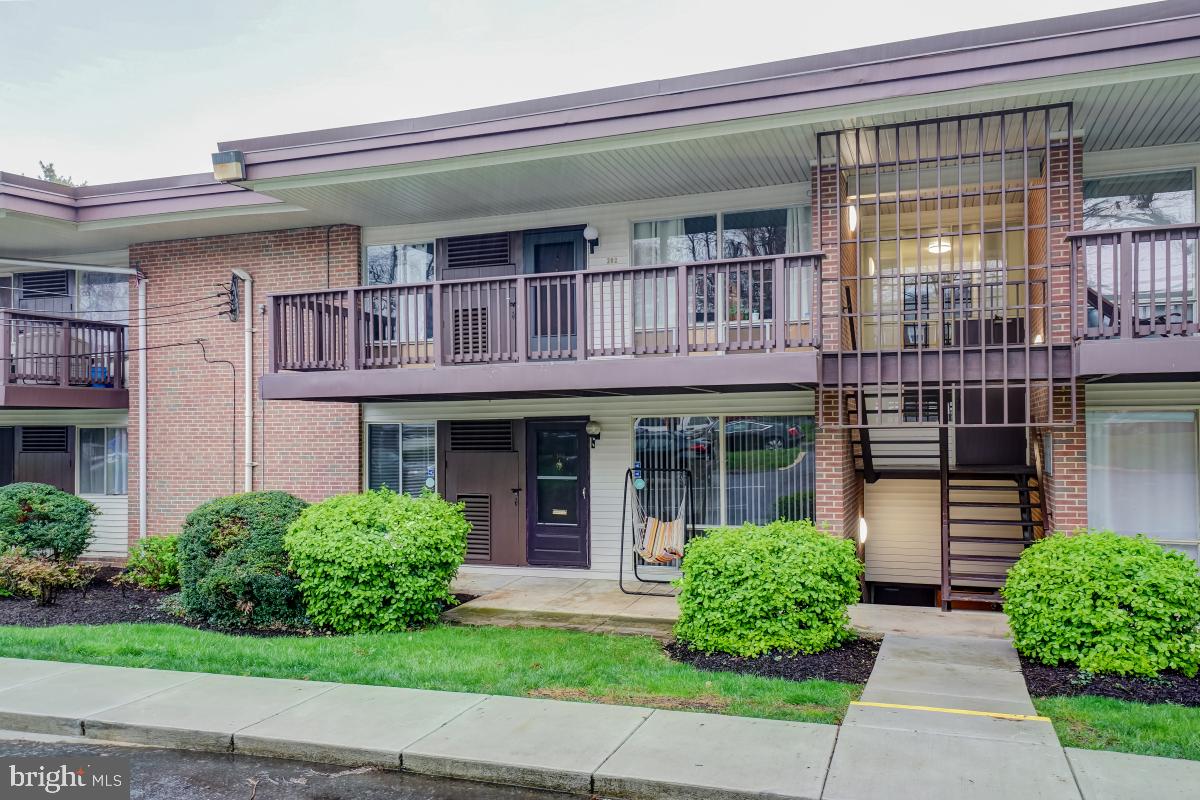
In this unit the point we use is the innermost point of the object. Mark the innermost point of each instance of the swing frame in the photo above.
(629, 527)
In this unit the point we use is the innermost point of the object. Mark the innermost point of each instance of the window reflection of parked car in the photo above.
(755, 434)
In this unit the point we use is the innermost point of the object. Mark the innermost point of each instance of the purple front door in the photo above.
(558, 475)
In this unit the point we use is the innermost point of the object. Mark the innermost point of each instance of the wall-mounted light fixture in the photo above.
(592, 237)
(592, 429)
(862, 530)
(852, 217)
(229, 165)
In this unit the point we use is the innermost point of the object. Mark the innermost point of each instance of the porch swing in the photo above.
(657, 534)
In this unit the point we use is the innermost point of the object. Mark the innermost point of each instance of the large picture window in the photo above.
(753, 469)
(1147, 199)
(103, 461)
(732, 234)
(1142, 474)
(388, 264)
(400, 457)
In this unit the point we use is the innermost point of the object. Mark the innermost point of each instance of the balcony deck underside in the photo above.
(968, 365)
(34, 396)
(597, 376)
(1141, 356)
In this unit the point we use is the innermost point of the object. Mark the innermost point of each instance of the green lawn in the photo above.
(522, 662)
(1100, 723)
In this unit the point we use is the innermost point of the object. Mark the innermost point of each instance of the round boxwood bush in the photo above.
(377, 561)
(232, 565)
(1105, 603)
(782, 587)
(39, 519)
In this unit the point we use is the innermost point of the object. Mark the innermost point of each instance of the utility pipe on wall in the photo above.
(245, 308)
(143, 515)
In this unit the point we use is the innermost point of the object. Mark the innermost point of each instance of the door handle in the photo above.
(516, 497)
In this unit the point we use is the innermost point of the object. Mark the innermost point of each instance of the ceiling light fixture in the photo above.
(939, 245)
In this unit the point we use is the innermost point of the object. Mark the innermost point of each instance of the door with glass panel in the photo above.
(558, 513)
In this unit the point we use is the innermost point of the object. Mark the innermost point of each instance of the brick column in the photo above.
(839, 488)
(1066, 489)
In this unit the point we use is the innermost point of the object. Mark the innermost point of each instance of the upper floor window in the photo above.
(1146, 199)
(104, 296)
(732, 234)
(399, 263)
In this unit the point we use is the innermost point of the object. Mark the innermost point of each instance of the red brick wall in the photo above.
(1066, 489)
(312, 449)
(839, 488)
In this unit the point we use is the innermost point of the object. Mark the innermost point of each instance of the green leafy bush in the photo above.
(40, 519)
(377, 561)
(785, 586)
(42, 578)
(1106, 603)
(232, 566)
(152, 564)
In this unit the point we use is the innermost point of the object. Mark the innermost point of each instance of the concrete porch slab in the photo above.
(542, 743)
(59, 703)
(1117, 776)
(202, 714)
(871, 763)
(353, 725)
(16, 671)
(681, 756)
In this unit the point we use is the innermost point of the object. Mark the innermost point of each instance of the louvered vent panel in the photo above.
(470, 331)
(473, 252)
(477, 508)
(40, 439)
(44, 284)
(481, 436)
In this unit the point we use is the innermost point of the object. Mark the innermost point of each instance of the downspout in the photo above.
(143, 516)
(245, 308)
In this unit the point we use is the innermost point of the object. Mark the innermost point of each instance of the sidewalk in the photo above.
(610, 751)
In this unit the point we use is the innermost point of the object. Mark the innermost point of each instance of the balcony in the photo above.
(589, 331)
(59, 361)
(1140, 308)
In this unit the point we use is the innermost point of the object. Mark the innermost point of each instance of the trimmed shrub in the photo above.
(39, 519)
(42, 578)
(782, 587)
(152, 564)
(1105, 603)
(377, 561)
(232, 566)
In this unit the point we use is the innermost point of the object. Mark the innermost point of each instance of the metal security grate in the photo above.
(481, 436)
(44, 439)
(477, 508)
(474, 252)
(948, 239)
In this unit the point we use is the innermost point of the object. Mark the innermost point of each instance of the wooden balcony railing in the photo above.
(57, 350)
(751, 304)
(1137, 282)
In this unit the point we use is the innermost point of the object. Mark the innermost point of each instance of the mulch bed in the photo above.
(1068, 681)
(850, 663)
(104, 603)
(100, 605)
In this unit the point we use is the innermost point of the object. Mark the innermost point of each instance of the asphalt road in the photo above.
(185, 775)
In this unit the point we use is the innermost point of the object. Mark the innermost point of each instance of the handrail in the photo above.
(757, 303)
(46, 349)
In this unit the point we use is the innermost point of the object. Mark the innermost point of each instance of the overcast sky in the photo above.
(114, 90)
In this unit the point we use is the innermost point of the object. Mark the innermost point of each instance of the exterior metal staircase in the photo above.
(989, 516)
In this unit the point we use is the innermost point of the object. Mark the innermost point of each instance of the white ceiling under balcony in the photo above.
(1113, 112)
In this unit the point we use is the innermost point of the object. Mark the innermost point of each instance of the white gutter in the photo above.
(245, 308)
(30, 263)
(143, 516)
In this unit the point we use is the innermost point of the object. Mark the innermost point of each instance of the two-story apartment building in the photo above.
(939, 295)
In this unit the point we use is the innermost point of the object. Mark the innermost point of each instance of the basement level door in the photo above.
(558, 514)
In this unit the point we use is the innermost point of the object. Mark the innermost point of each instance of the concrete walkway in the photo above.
(612, 751)
(599, 606)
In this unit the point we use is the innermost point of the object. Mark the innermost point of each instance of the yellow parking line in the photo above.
(996, 714)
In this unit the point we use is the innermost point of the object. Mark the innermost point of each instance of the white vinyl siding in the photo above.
(904, 524)
(613, 453)
(613, 221)
(111, 527)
